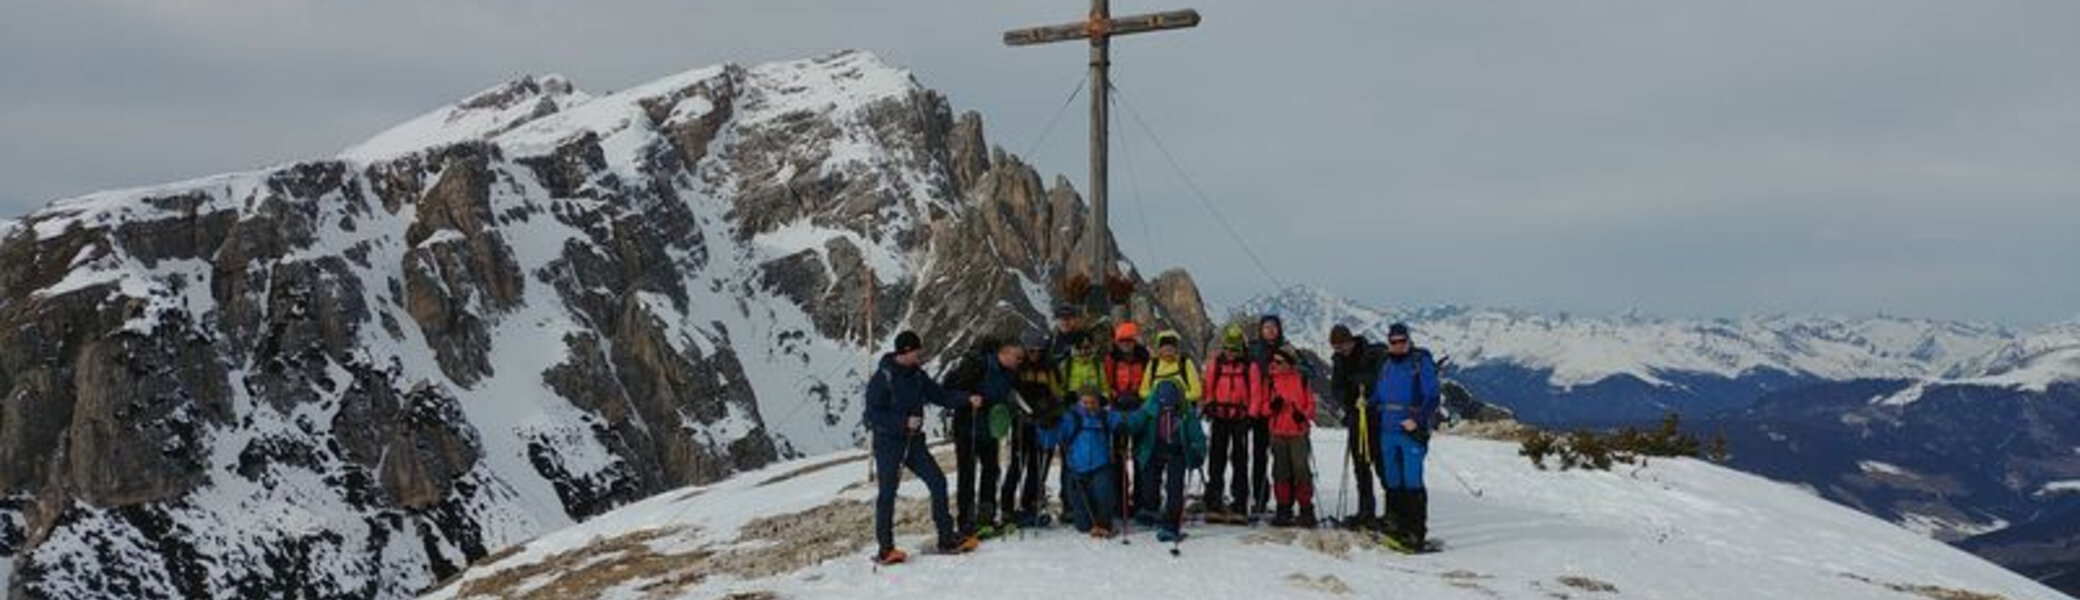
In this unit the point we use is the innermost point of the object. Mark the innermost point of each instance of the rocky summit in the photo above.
(352, 377)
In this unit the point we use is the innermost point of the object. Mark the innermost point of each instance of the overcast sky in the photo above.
(1683, 158)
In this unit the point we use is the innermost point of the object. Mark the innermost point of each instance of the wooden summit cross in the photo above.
(1099, 28)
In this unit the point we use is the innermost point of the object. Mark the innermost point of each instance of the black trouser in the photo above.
(1362, 446)
(1230, 441)
(1165, 464)
(973, 451)
(1260, 462)
(892, 452)
(1025, 475)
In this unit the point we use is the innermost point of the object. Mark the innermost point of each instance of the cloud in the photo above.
(1687, 157)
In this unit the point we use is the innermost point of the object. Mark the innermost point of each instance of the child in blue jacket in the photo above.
(1086, 431)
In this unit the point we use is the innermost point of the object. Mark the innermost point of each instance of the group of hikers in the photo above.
(1128, 425)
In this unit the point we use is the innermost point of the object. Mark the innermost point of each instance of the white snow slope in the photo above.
(1679, 529)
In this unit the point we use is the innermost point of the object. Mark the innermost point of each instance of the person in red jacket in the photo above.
(1125, 366)
(1288, 406)
(1231, 379)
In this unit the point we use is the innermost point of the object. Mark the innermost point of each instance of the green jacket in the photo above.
(1078, 372)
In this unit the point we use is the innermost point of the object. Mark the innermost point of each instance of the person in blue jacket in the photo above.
(1086, 434)
(896, 397)
(1406, 400)
(1171, 441)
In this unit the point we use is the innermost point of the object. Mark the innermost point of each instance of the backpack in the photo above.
(1225, 408)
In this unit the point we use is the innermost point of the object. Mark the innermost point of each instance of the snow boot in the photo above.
(1100, 532)
(1169, 534)
(1418, 529)
(1307, 518)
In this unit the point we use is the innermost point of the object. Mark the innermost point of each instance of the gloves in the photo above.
(1278, 404)
(1299, 419)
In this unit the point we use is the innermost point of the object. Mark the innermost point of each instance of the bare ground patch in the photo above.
(766, 547)
(812, 469)
(1587, 584)
(1325, 583)
(1932, 592)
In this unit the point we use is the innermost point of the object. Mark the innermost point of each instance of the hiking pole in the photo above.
(1476, 492)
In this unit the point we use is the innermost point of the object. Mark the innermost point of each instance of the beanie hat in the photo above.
(1126, 331)
(1340, 334)
(1397, 330)
(908, 341)
(1233, 338)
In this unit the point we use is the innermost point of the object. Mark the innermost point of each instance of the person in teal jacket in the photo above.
(1171, 441)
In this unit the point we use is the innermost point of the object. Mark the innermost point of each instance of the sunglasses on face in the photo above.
(1398, 341)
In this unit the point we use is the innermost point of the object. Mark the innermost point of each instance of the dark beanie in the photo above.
(1339, 334)
(907, 341)
(1269, 318)
(1397, 329)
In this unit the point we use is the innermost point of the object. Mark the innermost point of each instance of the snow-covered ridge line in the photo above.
(1582, 350)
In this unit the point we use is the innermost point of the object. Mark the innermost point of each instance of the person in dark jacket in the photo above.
(896, 398)
(1068, 322)
(985, 378)
(1353, 369)
(1085, 435)
(1040, 392)
(1406, 399)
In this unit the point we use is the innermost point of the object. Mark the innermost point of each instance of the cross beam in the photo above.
(1099, 28)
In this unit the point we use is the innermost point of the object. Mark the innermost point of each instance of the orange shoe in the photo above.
(964, 546)
(890, 556)
(1101, 532)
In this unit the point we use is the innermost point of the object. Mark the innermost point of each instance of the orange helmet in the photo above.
(1126, 331)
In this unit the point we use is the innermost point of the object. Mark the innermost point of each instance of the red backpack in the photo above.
(1228, 387)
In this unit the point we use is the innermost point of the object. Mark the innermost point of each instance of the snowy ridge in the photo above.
(1674, 529)
(480, 116)
(1584, 350)
(639, 226)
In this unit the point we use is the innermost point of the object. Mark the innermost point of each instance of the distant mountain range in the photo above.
(1965, 432)
(1634, 368)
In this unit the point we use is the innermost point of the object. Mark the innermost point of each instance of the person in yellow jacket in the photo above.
(1172, 364)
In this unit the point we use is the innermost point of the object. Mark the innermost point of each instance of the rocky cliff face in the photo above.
(347, 378)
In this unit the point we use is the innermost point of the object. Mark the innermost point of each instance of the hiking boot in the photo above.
(1284, 516)
(1169, 534)
(890, 556)
(1100, 532)
(1307, 519)
(960, 546)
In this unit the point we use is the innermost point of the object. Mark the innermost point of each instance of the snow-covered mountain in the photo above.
(1673, 529)
(349, 377)
(1561, 369)
(1581, 350)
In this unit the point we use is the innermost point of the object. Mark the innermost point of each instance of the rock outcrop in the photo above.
(349, 377)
